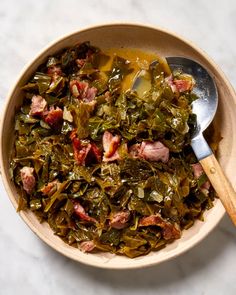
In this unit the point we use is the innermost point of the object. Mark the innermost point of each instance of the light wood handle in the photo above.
(221, 185)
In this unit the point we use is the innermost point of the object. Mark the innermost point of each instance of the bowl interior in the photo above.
(146, 39)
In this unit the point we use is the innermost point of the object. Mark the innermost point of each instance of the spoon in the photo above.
(205, 108)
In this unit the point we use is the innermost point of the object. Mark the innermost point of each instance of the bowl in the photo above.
(147, 39)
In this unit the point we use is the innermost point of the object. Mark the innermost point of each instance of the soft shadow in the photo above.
(165, 274)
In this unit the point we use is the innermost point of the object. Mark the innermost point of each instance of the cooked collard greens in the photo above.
(109, 169)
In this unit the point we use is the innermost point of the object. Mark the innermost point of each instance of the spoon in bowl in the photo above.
(205, 108)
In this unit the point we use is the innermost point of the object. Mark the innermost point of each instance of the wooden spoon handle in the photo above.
(221, 185)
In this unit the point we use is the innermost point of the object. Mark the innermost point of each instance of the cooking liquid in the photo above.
(139, 60)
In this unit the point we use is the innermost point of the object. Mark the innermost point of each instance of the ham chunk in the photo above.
(84, 151)
(80, 150)
(81, 90)
(170, 81)
(154, 151)
(80, 212)
(38, 105)
(151, 220)
(110, 146)
(151, 151)
(183, 85)
(87, 246)
(197, 172)
(28, 179)
(95, 153)
(90, 94)
(169, 231)
(110, 143)
(119, 219)
(50, 188)
(54, 117)
(81, 153)
(114, 157)
(180, 85)
(108, 97)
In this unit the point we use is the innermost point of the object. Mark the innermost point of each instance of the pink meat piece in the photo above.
(110, 146)
(90, 94)
(183, 85)
(28, 179)
(119, 219)
(108, 97)
(179, 85)
(154, 151)
(50, 188)
(81, 90)
(54, 117)
(197, 172)
(38, 105)
(169, 80)
(151, 220)
(81, 153)
(169, 231)
(80, 150)
(80, 212)
(114, 157)
(87, 246)
(84, 151)
(95, 153)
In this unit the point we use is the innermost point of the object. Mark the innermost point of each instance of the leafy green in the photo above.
(123, 203)
(120, 68)
(81, 114)
(43, 81)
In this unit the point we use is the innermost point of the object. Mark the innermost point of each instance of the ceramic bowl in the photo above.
(147, 39)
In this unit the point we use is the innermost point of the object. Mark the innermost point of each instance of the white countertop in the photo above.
(27, 265)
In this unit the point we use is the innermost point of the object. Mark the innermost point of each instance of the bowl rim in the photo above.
(27, 66)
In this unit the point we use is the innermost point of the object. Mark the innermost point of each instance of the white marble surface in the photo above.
(27, 265)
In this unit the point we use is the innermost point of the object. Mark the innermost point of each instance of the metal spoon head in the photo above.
(205, 89)
(206, 105)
